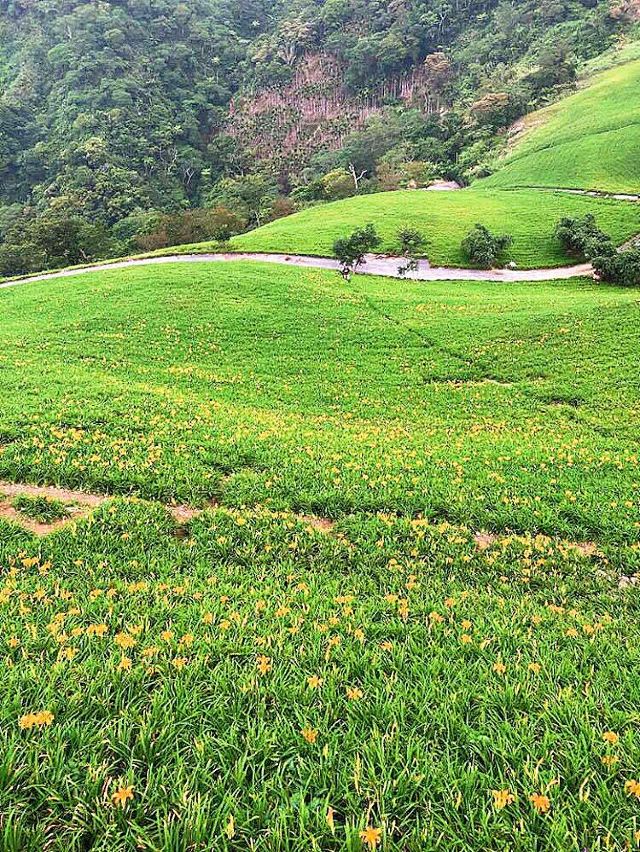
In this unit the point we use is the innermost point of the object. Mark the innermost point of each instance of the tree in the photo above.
(618, 267)
(411, 244)
(351, 251)
(52, 242)
(337, 184)
(251, 196)
(483, 248)
(582, 237)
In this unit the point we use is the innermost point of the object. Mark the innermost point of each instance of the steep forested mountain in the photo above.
(112, 111)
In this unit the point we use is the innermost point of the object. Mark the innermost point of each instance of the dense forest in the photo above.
(142, 123)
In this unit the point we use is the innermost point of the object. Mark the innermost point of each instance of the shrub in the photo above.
(350, 251)
(191, 226)
(483, 248)
(619, 267)
(411, 242)
(581, 237)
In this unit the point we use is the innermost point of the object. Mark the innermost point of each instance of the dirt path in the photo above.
(80, 504)
(374, 265)
(590, 193)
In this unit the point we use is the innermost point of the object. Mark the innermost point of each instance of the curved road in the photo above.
(374, 265)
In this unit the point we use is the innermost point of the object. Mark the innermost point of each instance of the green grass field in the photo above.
(444, 218)
(589, 140)
(395, 680)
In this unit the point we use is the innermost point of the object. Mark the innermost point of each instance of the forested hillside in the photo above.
(114, 113)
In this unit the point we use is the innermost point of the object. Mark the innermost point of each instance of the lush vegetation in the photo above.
(400, 679)
(483, 248)
(583, 238)
(445, 218)
(121, 115)
(587, 141)
(43, 509)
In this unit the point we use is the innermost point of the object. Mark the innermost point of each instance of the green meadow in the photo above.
(589, 140)
(444, 218)
(406, 618)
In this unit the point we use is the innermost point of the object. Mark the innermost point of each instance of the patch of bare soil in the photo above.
(484, 540)
(321, 524)
(78, 504)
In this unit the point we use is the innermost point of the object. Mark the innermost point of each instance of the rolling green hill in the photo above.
(402, 624)
(444, 218)
(589, 140)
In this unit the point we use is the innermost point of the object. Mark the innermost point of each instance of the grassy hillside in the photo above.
(258, 682)
(444, 218)
(587, 141)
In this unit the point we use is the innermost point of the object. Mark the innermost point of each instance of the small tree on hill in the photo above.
(350, 251)
(483, 248)
(411, 244)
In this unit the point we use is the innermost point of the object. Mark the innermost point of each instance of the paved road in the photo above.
(374, 265)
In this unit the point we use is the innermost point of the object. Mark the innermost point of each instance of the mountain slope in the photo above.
(589, 140)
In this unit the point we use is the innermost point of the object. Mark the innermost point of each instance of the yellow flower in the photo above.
(502, 798)
(609, 760)
(610, 737)
(230, 828)
(264, 664)
(632, 787)
(386, 646)
(310, 734)
(122, 796)
(354, 693)
(435, 617)
(466, 624)
(125, 664)
(166, 635)
(314, 682)
(540, 803)
(123, 640)
(465, 639)
(371, 836)
(14, 642)
(499, 668)
(179, 662)
(535, 668)
(36, 720)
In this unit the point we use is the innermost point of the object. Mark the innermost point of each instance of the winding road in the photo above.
(374, 265)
